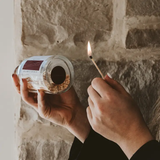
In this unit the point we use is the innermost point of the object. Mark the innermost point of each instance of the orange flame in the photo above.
(89, 49)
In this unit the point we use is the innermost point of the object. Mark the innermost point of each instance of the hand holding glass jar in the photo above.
(61, 107)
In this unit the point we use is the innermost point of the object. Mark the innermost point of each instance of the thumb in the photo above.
(115, 85)
(41, 102)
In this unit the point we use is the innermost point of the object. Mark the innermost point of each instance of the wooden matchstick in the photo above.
(96, 66)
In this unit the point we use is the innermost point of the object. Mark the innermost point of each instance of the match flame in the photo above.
(89, 49)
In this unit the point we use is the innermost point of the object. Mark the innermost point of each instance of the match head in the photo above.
(90, 57)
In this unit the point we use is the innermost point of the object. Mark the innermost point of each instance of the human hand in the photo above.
(62, 109)
(113, 114)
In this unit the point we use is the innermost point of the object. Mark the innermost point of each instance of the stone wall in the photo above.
(125, 37)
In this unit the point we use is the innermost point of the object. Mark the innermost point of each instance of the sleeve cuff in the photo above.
(150, 150)
(96, 147)
(75, 149)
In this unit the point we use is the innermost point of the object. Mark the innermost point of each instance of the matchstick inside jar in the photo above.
(60, 80)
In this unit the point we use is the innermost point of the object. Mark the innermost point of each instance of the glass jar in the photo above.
(53, 74)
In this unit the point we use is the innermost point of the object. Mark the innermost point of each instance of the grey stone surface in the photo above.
(137, 38)
(45, 150)
(40, 139)
(154, 123)
(48, 23)
(143, 7)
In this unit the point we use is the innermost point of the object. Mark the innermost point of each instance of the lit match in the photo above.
(90, 56)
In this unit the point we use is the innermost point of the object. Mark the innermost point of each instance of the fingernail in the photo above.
(13, 75)
(109, 75)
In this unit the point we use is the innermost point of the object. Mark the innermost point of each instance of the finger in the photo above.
(25, 95)
(114, 84)
(93, 94)
(24, 90)
(41, 99)
(34, 96)
(89, 115)
(90, 102)
(16, 82)
(101, 87)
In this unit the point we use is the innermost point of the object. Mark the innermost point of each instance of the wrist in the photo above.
(135, 141)
(79, 125)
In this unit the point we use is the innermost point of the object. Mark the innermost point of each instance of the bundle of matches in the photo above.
(90, 56)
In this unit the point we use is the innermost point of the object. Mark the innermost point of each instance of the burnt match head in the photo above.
(90, 57)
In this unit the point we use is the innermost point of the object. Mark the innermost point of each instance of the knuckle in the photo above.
(98, 102)
(89, 89)
(101, 108)
(95, 81)
(109, 97)
(88, 99)
(100, 111)
(41, 114)
(24, 98)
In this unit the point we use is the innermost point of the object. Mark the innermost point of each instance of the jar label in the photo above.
(32, 65)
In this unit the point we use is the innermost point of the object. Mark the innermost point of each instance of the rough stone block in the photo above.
(45, 150)
(137, 38)
(47, 22)
(143, 7)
